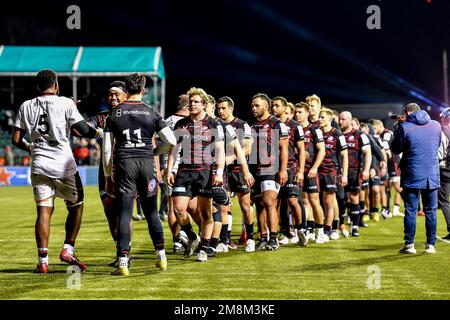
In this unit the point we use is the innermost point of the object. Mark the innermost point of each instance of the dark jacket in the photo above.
(418, 138)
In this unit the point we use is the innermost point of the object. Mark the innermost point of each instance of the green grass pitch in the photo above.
(369, 267)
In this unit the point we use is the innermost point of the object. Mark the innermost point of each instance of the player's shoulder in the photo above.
(292, 123)
(183, 121)
(62, 101)
(238, 122)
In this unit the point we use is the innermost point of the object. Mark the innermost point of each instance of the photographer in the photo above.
(444, 168)
(418, 137)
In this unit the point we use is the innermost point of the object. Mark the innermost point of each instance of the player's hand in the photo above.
(343, 181)
(217, 179)
(365, 175)
(249, 180)
(383, 171)
(372, 173)
(109, 186)
(282, 177)
(312, 173)
(170, 179)
(298, 179)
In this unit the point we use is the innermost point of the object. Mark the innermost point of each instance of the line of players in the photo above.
(280, 165)
(333, 160)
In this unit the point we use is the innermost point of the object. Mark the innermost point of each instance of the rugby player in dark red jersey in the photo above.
(289, 193)
(335, 146)
(359, 162)
(314, 154)
(268, 164)
(236, 181)
(201, 140)
(233, 152)
(129, 130)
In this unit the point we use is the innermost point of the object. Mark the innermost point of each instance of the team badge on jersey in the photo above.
(152, 185)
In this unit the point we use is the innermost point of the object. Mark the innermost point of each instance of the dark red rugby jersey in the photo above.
(295, 135)
(334, 143)
(355, 142)
(265, 157)
(196, 140)
(313, 135)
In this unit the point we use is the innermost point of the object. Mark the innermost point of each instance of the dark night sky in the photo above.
(238, 48)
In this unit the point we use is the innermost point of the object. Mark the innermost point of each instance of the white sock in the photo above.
(43, 260)
(319, 231)
(69, 247)
(123, 262)
(396, 209)
(230, 222)
(161, 254)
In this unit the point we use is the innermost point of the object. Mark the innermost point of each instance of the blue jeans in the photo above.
(411, 198)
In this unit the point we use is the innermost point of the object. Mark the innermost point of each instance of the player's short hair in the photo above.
(183, 101)
(411, 107)
(226, 99)
(302, 105)
(364, 125)
(118, 84)
(211, 99)
(283, 100)
(198, 92)
(135, 83)
(313, 97)
(376, 122)
(327, 111)
(291, 106)
(45, 79)
(356, 120)
(262, 96)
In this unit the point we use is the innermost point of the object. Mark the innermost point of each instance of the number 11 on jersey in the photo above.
(138, 134)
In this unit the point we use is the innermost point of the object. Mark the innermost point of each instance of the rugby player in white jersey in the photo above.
(48, 119)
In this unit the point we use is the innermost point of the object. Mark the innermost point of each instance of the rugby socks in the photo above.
(310, 226)
(161, 254)
(274, 236)
(214, 242)
(249, 230)
(362, 206)
(354, 214)
(43, 255)
(230, 226)
(334, 225)
(204, 244)
(69, 245)
(187, 228)
(224, 233)
(396, 210)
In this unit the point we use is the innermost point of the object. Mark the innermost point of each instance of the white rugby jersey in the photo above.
(171, 122)
(48, 119)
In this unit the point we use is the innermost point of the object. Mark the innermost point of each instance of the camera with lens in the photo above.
(399, 117)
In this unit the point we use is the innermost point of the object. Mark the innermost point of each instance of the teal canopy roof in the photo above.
(81, 61)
